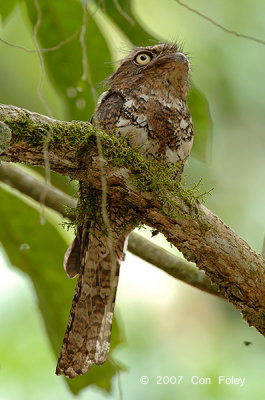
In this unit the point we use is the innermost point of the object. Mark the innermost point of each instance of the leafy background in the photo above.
(166, 327)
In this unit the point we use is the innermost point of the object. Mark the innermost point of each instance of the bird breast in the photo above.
(160, 126)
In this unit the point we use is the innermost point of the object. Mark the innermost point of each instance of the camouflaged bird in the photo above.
(146, 100)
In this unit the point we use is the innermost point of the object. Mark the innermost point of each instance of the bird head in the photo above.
(159, 67)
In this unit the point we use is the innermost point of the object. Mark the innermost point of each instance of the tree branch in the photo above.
(139, 246)
(200, 235)
(34, 188)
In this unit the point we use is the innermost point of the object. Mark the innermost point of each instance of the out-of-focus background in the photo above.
(168, 329)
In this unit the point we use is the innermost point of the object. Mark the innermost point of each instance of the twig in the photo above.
(86, 72)
(123, 13)
(232, 32)
(32, 187)
(17, 46)
(47, 49)
(34, 39)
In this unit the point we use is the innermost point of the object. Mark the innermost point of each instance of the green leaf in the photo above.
(6, 9)
(127, 23)
(38, 250)
(199, 109)
(59, 21)
(198, 104)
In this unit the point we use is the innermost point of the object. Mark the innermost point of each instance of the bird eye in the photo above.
(143, 58)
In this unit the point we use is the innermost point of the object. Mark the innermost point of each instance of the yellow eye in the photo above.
(143, 58)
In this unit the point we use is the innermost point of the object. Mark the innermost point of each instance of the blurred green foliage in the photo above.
(59, 21)
(38, 250)
(228, 72)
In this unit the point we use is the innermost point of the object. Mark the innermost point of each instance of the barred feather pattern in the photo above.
(87, 337)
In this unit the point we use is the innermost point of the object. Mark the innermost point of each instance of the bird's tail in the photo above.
(87, 336)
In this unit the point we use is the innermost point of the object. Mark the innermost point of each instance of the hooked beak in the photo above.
(179, 57)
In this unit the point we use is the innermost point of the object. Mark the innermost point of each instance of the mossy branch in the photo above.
(137, 245)
(162, 204)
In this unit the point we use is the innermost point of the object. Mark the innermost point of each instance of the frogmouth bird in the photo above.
(147, 101)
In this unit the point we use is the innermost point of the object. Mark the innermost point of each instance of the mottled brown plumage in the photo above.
(146, 100)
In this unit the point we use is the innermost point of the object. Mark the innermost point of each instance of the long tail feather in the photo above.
(87, 337)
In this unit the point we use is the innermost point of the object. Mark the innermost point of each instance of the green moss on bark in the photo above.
(78, 137)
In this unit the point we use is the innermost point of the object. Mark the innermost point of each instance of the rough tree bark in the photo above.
(137, 245)
(70, 148)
